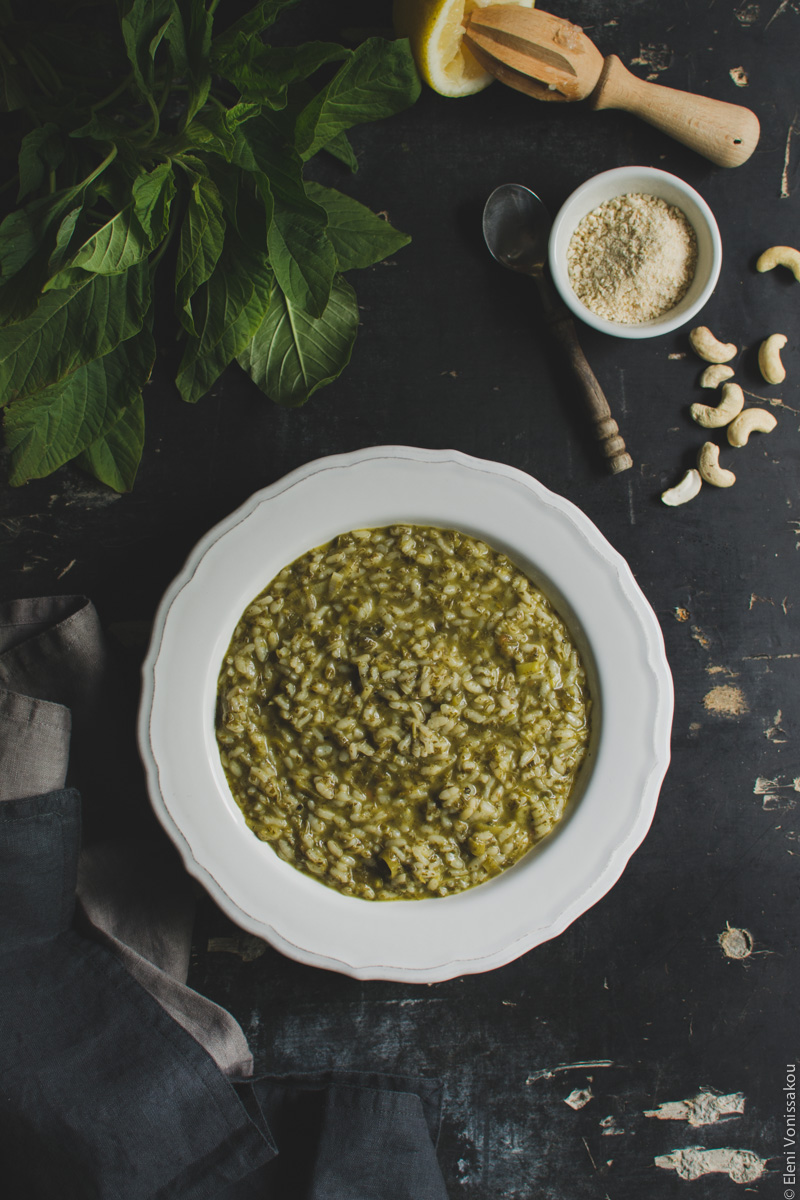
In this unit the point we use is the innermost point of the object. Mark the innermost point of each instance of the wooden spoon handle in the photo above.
(605, 427)
(725, 133)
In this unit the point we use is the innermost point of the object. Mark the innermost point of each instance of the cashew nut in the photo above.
(730, 406)
(714, 375)
(769, 358)
(754, 420)
(780, 256)
(710, 348)
(709, 468)
(684, 491)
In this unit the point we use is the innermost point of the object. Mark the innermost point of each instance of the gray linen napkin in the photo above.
(54, 673)
(51, 664)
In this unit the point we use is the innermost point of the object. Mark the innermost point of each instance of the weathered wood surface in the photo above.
(684, 978)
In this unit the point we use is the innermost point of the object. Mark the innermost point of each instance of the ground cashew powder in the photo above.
(632, 258)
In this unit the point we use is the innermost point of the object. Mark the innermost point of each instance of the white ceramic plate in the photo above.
(592, 587)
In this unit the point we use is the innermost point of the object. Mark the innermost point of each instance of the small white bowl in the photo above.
(621, 182)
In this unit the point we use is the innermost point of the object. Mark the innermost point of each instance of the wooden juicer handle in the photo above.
(727, 134)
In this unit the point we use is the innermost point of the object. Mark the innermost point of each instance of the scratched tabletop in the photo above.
(646, 1051)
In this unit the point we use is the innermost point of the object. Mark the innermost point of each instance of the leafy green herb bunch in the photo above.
(138, 130)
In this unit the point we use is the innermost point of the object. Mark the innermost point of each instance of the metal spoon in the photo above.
(516, 226)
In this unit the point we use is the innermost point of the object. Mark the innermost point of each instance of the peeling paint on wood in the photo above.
(706, 1108)
(725, 700)
(768, 657)
(736, 943)
(770, 789)
(587, 1065)
(700, 637)
(579, 1098)
(748, 14)
(742, 1166)
(656, 57)
(775, 732)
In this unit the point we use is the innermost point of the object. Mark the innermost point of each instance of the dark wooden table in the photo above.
(683, 978)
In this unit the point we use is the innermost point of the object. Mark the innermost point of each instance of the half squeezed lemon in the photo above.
(435, 29)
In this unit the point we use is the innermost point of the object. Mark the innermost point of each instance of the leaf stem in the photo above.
(165, 93)
(107, 161)
(156, 112)
(127, 81)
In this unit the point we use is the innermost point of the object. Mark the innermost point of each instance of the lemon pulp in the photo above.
(435, 29)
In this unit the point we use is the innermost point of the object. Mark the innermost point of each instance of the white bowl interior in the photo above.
(619, 182)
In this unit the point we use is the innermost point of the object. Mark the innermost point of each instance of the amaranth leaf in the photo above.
(301, 255)
(264, 14)
(63, 238)
(189, 40)
(210, 132)
(292, 354)
(341, 149)
(144, 24)
(56, 423)
(129, 236)
(152, 193)
(70, 328)
(227, 311)
(200, 245)
(114, 458)
(41, 151)
(264, 73)
(380, 79)
(112, 249)
(23, 231)
(359, 237)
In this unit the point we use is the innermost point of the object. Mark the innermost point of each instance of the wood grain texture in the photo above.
(606, 430)
(726, 134)
(550, 58)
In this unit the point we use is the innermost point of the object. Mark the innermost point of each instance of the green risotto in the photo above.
(401, 713)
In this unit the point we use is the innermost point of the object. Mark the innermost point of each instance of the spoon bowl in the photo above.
(516, 228)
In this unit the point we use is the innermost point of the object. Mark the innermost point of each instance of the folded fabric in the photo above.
(118, 1080)
(134, 897)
